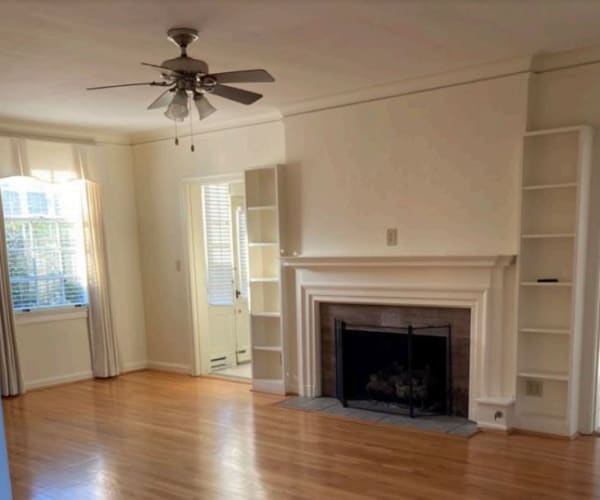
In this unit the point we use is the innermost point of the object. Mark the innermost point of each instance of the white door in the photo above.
(240, 251)
(220, 289)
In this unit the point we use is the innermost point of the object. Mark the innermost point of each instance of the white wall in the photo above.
(124, 266)
(57, 351)
(160, 171)
(439, 166)
(53, 352)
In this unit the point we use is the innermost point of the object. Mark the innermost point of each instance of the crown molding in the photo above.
(49, 131)
(166, 133)
(542, 62)
(471, 74)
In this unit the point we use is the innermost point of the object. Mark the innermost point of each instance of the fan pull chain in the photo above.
(192, 148)
(176, 136)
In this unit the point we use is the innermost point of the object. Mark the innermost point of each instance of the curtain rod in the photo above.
(47, 138)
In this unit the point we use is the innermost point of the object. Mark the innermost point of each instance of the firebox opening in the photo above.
(397, 370)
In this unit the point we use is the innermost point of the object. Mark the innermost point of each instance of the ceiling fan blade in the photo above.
(248, 76)
(162, 100)
(159, 84)
(158, 66)
(205, 108)
(238, 95)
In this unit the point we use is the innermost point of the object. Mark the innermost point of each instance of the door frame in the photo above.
(194, 265)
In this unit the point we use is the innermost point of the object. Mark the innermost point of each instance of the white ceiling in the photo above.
(50, 51)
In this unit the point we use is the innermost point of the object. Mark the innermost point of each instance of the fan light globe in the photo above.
(178, 108)
(204, 107)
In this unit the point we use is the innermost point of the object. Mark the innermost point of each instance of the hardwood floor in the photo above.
(151, 435)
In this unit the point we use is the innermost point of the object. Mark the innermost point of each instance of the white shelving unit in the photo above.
(554, 214)
(266, 330)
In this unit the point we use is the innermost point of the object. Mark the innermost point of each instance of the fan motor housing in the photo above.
(186, 65)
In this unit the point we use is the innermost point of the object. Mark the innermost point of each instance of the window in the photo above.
(44, 239)
(219, 247)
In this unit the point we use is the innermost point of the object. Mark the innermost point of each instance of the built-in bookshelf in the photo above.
(263, 223)
(554, 205)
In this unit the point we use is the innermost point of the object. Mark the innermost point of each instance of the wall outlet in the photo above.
(534, 388)
(392, 237)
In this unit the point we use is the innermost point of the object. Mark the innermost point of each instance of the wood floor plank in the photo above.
(153, 435)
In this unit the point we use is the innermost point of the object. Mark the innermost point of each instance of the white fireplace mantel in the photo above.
(473, 282)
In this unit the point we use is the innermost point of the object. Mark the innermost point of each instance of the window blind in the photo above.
(242, 251)
(44, 240)
(219, 248)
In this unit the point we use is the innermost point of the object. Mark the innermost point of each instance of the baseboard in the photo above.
(134, 366)
(563, 437)
(168, 367)
(494, 430)
(490, 427)
(61, 379)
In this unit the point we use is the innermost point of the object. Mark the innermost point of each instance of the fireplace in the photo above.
(398, 291)
(405, 370)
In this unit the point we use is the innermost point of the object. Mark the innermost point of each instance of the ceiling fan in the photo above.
(185, 77)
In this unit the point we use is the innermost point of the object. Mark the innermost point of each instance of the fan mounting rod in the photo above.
(182, 37)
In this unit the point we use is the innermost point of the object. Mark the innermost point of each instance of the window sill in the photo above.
(50, 314)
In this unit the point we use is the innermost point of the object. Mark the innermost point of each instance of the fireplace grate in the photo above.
(402, 370)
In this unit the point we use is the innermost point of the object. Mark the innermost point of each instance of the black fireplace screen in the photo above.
(404, 370)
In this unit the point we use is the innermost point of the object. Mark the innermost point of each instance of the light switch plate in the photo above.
(392, 237)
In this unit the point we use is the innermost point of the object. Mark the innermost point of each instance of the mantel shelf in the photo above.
(488, 261)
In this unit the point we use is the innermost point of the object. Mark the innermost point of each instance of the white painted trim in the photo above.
(61, 379)
(492, 427)
(477, 285)
(66, 133)
(168, 367)
(47, 315)
(399, 261)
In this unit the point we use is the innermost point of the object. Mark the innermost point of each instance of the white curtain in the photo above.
(48, 161)
(11, 381)
(103, 343)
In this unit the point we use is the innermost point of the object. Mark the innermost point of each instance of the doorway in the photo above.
(219, 267)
